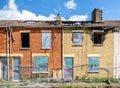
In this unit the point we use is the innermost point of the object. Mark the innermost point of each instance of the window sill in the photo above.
(93, 71)
(24, 48)
(46, 48)
(97, 44)
(76, 45)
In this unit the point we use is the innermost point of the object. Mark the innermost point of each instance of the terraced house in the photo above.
(60, 49)
(29, 47)
(90, 48)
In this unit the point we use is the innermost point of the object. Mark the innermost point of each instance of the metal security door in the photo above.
(3, 69)
(16, 69)
(68, 68)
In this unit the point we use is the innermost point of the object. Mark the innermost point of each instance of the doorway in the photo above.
(16, 68)
(68, 68)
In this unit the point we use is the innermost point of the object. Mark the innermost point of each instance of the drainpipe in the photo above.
(10, 46)
(31, 62)
(7, 49)
(62, 52)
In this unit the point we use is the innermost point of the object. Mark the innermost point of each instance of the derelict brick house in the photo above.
(29, 47)
(60, 49)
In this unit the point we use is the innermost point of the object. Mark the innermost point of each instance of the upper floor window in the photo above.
(93, 64)
(77, 38)
(98, 36)
(25, 41)
(40, 64)
(46, 40)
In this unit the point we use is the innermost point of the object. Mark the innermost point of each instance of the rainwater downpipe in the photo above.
(7, 50)
(62, 53)
(10, 46)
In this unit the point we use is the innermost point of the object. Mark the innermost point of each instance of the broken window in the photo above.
(98, 37)
(77, 38)
(46, 40)
(25, 40)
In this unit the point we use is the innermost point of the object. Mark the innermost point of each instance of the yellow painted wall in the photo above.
(81, 53)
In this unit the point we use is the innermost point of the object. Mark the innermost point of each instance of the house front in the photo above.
(88, 49)
(29, 48)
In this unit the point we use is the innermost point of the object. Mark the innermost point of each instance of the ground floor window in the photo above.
(40, 64)
(93, 64)
(3, 68)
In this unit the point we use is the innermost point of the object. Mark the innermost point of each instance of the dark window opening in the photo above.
(97, 38)
(25, 40)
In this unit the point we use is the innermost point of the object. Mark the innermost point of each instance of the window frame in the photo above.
(98, 65)
(49, 41)
(98, 32)
(80, 40)
(21, 46)
(38, 69)
(100, 38)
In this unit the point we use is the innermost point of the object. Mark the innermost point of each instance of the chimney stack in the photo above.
(58, 18)
(97, 15)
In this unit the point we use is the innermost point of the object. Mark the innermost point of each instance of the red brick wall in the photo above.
(2, 40)
(36, 47)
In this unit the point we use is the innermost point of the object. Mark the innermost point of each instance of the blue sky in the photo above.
(47, 9)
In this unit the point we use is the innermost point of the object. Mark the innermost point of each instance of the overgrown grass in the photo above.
(6, 85)
(99, 80)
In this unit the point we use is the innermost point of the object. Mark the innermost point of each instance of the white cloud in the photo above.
(10, 12)
(12, 5)
(70, 4)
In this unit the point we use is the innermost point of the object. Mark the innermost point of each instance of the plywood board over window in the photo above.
(77, 37)
(40, 64)
(93, 64)
(46, 40)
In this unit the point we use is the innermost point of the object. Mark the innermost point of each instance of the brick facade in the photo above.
(26, 55)
(81, 53)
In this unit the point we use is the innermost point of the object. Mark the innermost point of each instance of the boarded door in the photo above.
(1, 72)
(3, 69)
(68, 68)
(16, 69)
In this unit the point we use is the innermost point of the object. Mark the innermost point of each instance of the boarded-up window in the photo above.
(77, 38)
(40, 64)
(46, 40)
(93, 64)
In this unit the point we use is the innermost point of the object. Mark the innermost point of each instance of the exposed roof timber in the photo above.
(38, 24)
